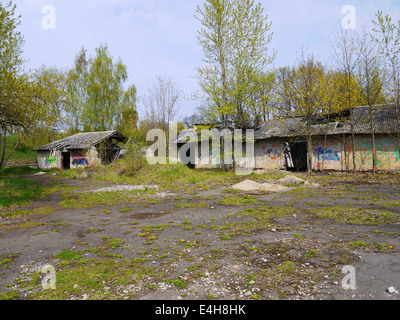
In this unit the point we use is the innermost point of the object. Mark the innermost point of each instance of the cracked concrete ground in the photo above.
(207, 245)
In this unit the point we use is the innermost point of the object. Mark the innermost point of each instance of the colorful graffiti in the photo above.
(272, 152)
(79, 159)
(385, 151)
(329, 155)
(50, 161)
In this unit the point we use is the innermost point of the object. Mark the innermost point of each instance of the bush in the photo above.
(132, 161)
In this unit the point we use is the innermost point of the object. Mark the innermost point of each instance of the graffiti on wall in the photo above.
(79, 159)
(386, 152)
(272, 152)
(330, 155)
(50, 161)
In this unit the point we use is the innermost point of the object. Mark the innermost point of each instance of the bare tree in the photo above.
(345, 53)
(161, 103)
(370, 79)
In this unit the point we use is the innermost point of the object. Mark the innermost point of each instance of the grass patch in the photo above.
(16, 189)
(97, 278)
(21, 213)
(267, 213)
(177, 177)
(88, 200)
(354, 215)
(201, 204)
(6, 260)
(238, 201)
(262, 218)
(22, 155)
(68, 255)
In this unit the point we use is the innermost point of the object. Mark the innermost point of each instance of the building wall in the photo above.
(338, 153)
(78, 158)
(334, 157)
(387, 150)
(84, 158)
(49, 159)
(269, 154)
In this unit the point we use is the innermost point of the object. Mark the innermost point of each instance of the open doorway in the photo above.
(299, 156)
(66, 160)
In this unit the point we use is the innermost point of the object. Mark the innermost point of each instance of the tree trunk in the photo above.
(353, 145)
(309, 151)
(371, 113)
(3, 149)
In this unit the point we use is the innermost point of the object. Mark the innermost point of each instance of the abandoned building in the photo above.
(81, 150)
(332, 147)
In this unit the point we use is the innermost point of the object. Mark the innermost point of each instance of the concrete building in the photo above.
(81, 150)
(331, 142)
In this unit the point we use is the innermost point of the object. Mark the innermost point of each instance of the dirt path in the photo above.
(208, 245)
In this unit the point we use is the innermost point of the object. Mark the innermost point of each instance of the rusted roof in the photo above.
(83, 140)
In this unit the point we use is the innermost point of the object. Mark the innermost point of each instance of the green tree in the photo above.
(234, 37)
(30, 104)
(51, 83)
(387, 35)
(303, 93)
(96, 86)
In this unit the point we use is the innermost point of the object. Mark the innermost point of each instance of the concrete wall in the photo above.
(49, 159)
(78, 158)
(387, 150)
(338, 153)
(269, 154)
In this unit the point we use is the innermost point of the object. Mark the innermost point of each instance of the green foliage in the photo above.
(30, 104)
(22, 155)
(96, 85)
(234, 37)
(15, 189)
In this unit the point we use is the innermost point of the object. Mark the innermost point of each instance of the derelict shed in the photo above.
(81, 150)
(332, 147)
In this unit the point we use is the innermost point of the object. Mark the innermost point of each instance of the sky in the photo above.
(158, 37)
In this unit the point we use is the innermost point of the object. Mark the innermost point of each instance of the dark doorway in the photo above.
(299, 156)
(187, 153)
(66, 160)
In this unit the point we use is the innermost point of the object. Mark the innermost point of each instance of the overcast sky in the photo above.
(158, 37)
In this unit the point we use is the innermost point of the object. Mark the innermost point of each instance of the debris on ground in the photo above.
(291, 179)
(392, 290)
(250, 185)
